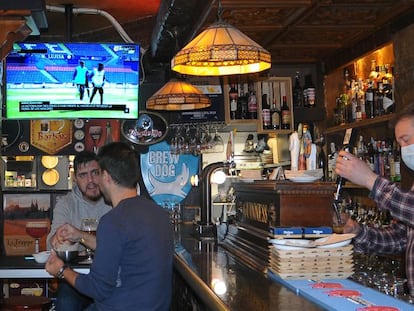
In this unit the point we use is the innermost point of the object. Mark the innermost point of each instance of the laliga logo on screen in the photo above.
(150, 128)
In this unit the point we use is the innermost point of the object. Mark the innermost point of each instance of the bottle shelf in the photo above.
(272, 89)
(360, 124)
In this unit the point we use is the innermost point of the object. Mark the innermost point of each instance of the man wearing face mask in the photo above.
(399, 236)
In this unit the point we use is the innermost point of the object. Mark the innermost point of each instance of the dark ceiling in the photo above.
(294, 31)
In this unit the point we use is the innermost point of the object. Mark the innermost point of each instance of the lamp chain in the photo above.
(219, 10)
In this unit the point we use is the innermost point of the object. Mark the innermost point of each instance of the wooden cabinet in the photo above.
(271, 89)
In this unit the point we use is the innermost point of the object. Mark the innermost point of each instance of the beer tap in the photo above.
(340, 181)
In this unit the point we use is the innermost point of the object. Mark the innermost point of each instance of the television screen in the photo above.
(72, 80)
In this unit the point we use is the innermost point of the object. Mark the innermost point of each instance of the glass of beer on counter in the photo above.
(89, 225)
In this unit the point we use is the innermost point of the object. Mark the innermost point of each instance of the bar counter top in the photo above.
(224, 283)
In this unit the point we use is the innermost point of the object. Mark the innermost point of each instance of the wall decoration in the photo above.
(100, 132)
(166, 176)
(49, 135)
(150, 128)
(26, 219)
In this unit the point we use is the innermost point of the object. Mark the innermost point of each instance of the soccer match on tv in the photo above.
(72, 80)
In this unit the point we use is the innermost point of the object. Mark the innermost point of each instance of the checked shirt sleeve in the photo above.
(389, 196)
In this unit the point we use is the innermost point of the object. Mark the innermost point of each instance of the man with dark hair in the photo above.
(132, 267)
(399, 236)
(84, 201)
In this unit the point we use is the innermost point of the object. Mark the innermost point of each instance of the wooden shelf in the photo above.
(277, 88)
(360, 124)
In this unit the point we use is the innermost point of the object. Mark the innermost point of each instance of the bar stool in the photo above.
(32, 303)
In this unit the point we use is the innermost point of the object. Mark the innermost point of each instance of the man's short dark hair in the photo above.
(406, 112)
(121, 162)
(82, 158)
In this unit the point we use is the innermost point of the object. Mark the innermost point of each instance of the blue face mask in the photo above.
(407, 154)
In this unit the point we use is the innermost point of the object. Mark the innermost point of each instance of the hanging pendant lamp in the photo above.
(219, 50)
(178, 95)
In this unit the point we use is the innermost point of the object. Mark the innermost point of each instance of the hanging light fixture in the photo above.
(219, 50)
(178, 95)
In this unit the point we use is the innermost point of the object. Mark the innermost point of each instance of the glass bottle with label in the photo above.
(369, 101)
(252, 102)
(387, 81)
(297, 92)
(309, 92)
(275, 116)
(233, 101)
(242, 102)
(266, 113)
(285, 111)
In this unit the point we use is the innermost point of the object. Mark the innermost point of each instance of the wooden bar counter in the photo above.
(208, 277)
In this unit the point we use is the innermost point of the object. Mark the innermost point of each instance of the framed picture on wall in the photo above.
(26, 222)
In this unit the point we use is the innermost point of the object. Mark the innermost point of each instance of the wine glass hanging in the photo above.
(191, 138)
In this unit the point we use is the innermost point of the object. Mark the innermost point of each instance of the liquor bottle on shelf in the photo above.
(394, 162)
(346, 105)
(252, 102)
(369, 101)
(358, 109)
(267, 125)
(361, 98)
(297, 92)
(388, 100)
(285, 111)
(309, 92)
(233, 101)
(275, 115)
(242, 102)
(379, 99)
(339, 112)
(373, 74)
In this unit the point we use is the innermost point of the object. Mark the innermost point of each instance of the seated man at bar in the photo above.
(399, 236)
(132, 267)
(84, 201)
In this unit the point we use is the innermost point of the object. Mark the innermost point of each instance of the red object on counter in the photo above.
(344, 293)
(326, 285)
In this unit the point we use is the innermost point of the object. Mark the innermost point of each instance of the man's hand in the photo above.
(66, 234)
(53, 264)
(355, 170)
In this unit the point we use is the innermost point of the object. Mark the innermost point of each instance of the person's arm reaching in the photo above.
(355, 170)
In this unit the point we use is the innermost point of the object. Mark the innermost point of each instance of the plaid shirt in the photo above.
(397, 237)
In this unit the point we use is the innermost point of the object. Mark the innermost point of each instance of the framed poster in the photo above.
(26, 222)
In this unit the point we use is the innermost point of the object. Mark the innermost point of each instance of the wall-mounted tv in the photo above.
(41, 81)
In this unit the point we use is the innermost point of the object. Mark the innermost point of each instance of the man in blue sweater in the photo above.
(132, 267)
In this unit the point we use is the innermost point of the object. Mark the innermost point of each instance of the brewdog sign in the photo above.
(167, 175)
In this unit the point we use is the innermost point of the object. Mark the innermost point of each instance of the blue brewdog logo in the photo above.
(166, 175)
